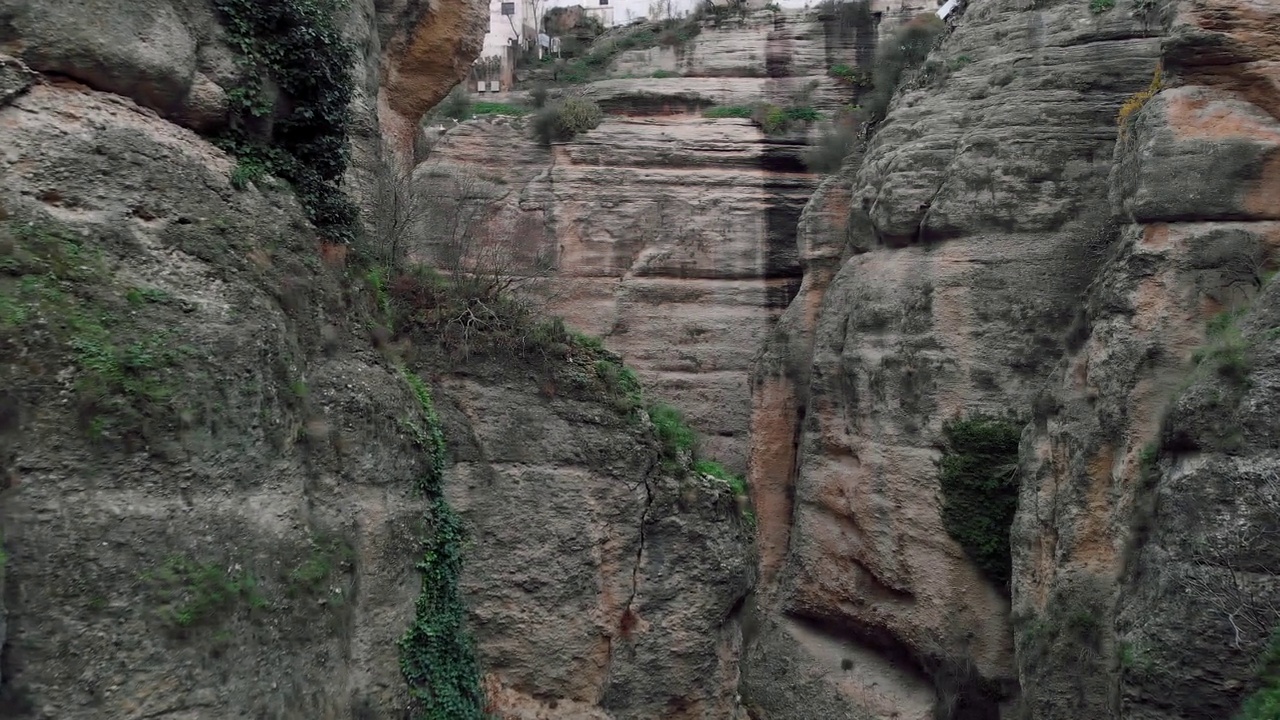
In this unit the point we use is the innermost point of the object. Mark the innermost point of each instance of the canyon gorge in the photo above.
(977, 419)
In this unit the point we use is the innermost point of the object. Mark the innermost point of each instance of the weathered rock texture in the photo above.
(602, 587)
(673, 235)
(189, 397)
(974, 214)
(1143, 542)
(1005, 234)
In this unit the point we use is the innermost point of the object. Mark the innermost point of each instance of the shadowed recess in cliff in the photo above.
(649, 104)
(960, 692)
(781, 219)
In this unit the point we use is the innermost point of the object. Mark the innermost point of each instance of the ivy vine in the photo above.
(437, 655)
(297, 45)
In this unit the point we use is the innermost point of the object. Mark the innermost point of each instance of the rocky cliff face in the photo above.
(212, 469)
(673, 235)
(1149, 479)
(997, 199)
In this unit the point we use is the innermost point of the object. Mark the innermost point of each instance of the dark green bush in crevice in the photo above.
(295, 44)
(437, 654)
(979, 483)
(563, 121)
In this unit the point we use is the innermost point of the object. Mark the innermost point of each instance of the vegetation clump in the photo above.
(736, 483)
(979, 482)
(676, 436)
(671, 32)
(195, 592)
(565, 120)
(296, 46)
(850, 75)
(1264, 704)
(127, 376)
(1138, 100)
(774, 120)
(728, 111)
(1225, 349)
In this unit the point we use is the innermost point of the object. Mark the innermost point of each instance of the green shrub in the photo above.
(849, 74)
(907, 49)
(565, 120)
(195, 593)
(1225, 349)
(979, 483)
(775, 120)
(299, 46)
(1264, 704)
(676, 436)
(735, 482)
(665, 74)
(728, 111)
(1100, 6)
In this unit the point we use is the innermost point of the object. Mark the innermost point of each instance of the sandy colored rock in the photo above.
(670, 237)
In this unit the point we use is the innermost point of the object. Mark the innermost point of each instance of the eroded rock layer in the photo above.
(673, 235)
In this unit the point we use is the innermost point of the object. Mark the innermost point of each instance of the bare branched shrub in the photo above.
(1225, 573)
(456, 105)
(398, 211)
(832, 147)
(487, 269)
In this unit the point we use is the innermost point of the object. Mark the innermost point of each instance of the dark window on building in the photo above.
(604, 2)
(508, 8)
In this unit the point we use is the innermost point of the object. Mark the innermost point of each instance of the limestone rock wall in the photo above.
(208, 473)
(600, 585)
(673, 235)
(971, 216)
(1149, 477)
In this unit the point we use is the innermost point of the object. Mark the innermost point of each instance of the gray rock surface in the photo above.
(978, 215)
(1149, 473)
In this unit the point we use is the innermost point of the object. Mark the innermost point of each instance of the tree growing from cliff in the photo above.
(398, 211)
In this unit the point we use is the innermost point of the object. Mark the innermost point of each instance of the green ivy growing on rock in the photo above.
(295, 44)
(979, 482)
(437, 655)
